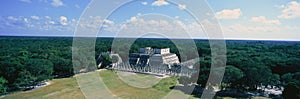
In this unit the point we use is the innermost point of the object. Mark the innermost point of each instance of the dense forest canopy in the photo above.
(27, 61)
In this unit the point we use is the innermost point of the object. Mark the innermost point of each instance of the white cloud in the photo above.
(229, 14)
(59, 26)
(181, 6)
(139, 14)
(266, 32)
(26, 1)
(133, 19)
(12, 21)
(279, 6)
(262, 19)
(57, 3)
(51, 22)
(292, 10)
(47, 17)
(63, 20)
(77, 6)
(139, 24)
(243, 29)
(44, 1)
(12, 18)
(171, 28)
(35, 17)
(92, 24)
(160, 3)
(106, 21)
(144, 3)
(26, 20)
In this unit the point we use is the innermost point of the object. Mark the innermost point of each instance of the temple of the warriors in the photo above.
(150, 56)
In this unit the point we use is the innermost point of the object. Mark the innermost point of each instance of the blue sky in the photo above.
(239, 19)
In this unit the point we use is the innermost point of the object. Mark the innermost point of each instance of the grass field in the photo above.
(65, 88)
(68, 88)
(123, 90)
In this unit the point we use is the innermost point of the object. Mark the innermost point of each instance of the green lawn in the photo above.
(68, 88)
(123, 90)
(65, 88)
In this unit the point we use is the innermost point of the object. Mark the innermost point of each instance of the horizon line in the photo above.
(226, 39)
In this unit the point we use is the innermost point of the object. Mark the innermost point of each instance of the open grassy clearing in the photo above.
(123, 90)
(67, 88)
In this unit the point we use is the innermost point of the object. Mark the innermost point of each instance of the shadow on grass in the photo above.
(198, 91)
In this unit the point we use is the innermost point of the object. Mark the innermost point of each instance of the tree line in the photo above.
(27, 61)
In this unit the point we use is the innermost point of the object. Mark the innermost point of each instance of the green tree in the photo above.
(253, 75)
(273, 80)
(62, 67)
(203, 73)
(232, 74)
(3, 85)
(25, 80)
(105, 61)
(286, 78)
(40, 68)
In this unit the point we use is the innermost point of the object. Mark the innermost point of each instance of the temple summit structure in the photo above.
(150, 56)
(153, 61)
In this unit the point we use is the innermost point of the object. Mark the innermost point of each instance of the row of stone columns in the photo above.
(177, 70)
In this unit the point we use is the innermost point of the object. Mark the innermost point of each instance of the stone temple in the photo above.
(150, 56)
(154, 61)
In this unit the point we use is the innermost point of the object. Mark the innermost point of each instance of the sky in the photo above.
(238, 19)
